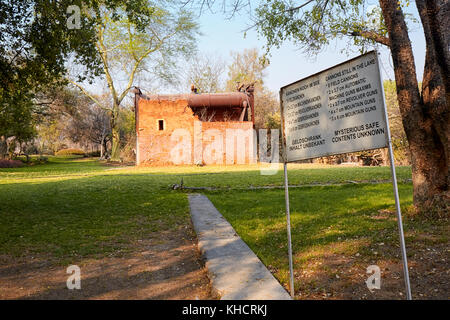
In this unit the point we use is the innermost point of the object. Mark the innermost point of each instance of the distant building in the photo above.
(195, 128)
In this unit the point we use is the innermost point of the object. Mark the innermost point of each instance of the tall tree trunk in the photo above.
(115, 136)
(105, 149)
(428, 156)
(434, 15)
(3, 147)
(101, 147)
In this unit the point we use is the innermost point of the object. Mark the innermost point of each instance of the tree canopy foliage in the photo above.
(36, 43)
(313, 24)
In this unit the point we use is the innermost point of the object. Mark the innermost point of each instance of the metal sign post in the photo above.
(397, 200)
(288, 217)
(288, 213)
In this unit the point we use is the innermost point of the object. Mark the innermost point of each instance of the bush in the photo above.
(70, 152)
(10, 163)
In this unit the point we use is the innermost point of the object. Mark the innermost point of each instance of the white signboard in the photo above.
(336, 111)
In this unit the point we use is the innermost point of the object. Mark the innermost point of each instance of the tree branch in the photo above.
(300, 6)
(284, 11)
(87, 94)
(372, 35)
(101, 47)
(139, 61)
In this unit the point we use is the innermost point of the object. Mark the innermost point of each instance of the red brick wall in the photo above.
(244, 141)
(154, 146)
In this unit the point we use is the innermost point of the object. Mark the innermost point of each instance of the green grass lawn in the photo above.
(250, 175)
(71, 209)
(337, 231)
(320, 217)
(68, 209)
(76, 207)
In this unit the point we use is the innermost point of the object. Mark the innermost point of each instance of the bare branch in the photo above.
(300, 6)
(372, 35)
(87, 94)
(287, 10)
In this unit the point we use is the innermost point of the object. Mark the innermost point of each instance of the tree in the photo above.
(127, 134)
(126, 48)
(205, 72)
(313, 24)
(35, 44)
(90, 125)
(69, 117)
(16, 121)
(266, 106)
(248, 67)
(50, 137)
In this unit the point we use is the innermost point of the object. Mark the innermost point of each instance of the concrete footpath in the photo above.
(236, 272)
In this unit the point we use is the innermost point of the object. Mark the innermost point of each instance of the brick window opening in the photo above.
(161, 125)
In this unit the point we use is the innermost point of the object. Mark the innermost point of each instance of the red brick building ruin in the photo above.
(193, 128)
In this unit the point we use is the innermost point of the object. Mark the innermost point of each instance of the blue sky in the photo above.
(288, 64)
